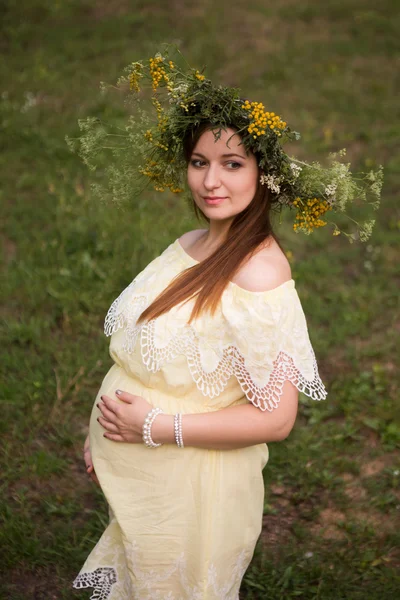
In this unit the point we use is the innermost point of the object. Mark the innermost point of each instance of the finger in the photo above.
(107, 414)
(111, 404)
(94, 478)
(125, 396)
(108, 425)
(115, 437)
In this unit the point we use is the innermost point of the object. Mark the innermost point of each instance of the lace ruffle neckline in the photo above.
(261, 338)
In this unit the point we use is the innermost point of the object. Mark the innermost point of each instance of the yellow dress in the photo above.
(183, 523)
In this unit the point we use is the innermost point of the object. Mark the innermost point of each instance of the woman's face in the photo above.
(223, 179)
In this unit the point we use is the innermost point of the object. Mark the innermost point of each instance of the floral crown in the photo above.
(150, 146)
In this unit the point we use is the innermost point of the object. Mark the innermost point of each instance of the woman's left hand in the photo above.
(123, 422)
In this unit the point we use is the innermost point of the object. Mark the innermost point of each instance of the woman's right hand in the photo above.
(87, 457)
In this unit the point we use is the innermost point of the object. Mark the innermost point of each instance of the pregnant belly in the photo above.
(122, 461)
(136, 473)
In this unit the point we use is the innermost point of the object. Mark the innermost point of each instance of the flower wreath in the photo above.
(149, 147)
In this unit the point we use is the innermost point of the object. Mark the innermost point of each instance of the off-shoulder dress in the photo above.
(183, 523)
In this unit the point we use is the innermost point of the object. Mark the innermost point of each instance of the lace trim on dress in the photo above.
(101, 580)
(299, 366)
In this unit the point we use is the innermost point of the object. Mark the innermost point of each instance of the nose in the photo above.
(212, 178)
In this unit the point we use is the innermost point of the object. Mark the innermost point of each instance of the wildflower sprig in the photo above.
(150, 147)
(262, 120)
(333, 189)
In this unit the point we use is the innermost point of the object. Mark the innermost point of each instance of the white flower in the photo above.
(330, 189)
(295, 169)
(180, 89)
(271, 182)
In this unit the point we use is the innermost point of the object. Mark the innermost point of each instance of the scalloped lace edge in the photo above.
(232, 362)
(101, 580)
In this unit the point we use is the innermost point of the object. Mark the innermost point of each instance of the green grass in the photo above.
(332, 489)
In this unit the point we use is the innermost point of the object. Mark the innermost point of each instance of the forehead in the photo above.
(229, 142)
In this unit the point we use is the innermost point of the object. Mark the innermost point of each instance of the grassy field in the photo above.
(332, 489)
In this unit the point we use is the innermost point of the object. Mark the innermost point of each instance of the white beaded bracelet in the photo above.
(178, 430)
(146, 429)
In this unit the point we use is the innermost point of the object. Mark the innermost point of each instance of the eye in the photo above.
(197, 163)
(233, 166)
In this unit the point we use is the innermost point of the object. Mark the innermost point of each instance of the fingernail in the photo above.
(118, 392)
(98, 405)
(98, 420)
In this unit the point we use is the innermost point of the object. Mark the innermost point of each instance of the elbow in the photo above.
(289, 407)
(284, 427)
(284, 432)
(281, 420)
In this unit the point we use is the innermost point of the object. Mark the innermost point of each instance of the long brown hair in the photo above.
(208, 279)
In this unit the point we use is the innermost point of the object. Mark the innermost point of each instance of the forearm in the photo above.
(228, 428)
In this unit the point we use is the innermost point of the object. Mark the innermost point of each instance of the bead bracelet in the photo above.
(146, 429)
(148, 422)
(178, 430)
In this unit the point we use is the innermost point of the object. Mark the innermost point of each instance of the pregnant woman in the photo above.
(210, 349)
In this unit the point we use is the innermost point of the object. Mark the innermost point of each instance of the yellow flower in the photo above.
(261, 119)
(157, 72)
(309, 212)
(133, 82)
(135, 76)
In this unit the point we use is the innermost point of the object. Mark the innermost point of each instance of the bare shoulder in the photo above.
(190, 237)
(264, 271)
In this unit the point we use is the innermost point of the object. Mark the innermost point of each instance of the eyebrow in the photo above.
(223, 155)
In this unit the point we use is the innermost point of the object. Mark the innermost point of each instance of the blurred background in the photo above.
(331, 70)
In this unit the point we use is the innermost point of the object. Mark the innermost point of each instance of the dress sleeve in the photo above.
(270, 344)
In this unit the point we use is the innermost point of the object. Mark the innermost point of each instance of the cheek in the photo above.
(248, 185)
(192, 178)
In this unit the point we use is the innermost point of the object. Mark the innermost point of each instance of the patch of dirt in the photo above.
(374, 467)
(381, 523)
(328, 524)
(370, 467)
(277, 528)
(34, 585)
(277, 490)
(355, 491)
(330, 516)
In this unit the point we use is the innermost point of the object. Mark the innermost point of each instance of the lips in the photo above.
(211, 200)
